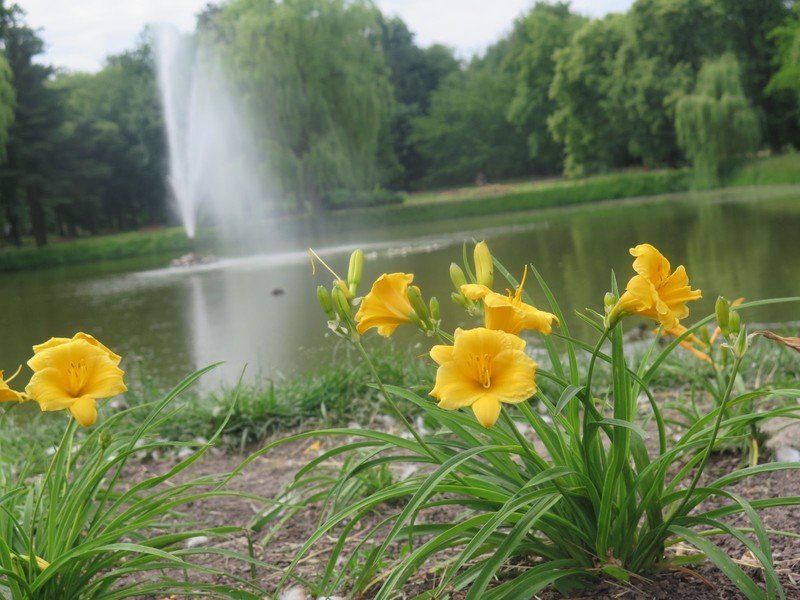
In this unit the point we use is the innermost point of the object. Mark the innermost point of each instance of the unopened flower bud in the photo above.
(609, 300)
(484, 265)
(460, 300)
(741, 341)
(342, 285)
(324, 299)
(341, 304)
(433, 305)
(722, 309)
(734, 322)
(457, 276)
(355, 271)
(417, 303)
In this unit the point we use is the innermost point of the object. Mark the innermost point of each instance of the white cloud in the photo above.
(80, 33)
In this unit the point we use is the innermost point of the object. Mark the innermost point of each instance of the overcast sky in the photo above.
(80, 33)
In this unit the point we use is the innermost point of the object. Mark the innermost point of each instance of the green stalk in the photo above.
(391, 402)
(658, 535)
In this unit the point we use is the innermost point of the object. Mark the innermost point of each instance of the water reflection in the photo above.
(261, 311)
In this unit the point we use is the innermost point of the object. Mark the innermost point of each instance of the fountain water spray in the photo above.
(216, 171)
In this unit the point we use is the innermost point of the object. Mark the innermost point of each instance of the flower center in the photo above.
(481, 365)
(77, 374)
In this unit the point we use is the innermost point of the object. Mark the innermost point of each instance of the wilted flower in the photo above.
(656, 292)
(387, 305)
(74, 374)
(509, 313)
(482, 369)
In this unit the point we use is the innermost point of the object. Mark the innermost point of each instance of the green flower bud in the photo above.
(741, 341)
(484, 265)
(734, 322)
(609, 300)
(341, 304)
(324, 299)
(417, 303)
(433, 305)
(722, 308)
(355, 270)
(460, 300)
(457, 276)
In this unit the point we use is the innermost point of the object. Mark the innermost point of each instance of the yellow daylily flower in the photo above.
(509, 313)
(6, 393)
(656, 292)
(387, 305)
(57, 341)
(482, 369)
(73, 375)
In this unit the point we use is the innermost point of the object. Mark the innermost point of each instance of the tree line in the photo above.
(347, 108)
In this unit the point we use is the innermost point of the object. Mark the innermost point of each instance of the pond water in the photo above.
(262, 310)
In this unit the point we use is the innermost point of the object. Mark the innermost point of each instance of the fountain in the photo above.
(216, 171)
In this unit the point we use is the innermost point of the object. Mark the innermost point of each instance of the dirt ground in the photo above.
(267, 475)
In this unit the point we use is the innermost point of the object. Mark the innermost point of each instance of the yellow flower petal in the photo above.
(487, 410)
(475, 291)
(442, 354)
(515, 372)
(6, 393)
(84, 410)
(387, 305)
(58, 341)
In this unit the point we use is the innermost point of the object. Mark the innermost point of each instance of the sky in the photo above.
(80, 33)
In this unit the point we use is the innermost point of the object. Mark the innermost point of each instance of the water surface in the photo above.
(262, 310)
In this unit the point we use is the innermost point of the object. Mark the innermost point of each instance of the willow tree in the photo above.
(715, 124)
(313, 75)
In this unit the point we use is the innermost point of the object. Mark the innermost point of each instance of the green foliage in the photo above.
(103, 537)
(586, 121)
(7, 104)
(594, 501)
(414, 74)
(537, 36)
(769, 170)
(110, 168)
(715, 125)
(335, 394)
(464, 115)
(314, 74)
(162, 243)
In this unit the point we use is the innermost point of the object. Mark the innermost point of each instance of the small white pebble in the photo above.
(787, 454)
(199, 540)
(295, 593)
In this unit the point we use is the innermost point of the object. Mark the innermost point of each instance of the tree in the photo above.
(24, 178)
(466, 133)
(314, 74)
(715, 124)
(414, 74)
(538, 35)
(111, 146)
(588, 120)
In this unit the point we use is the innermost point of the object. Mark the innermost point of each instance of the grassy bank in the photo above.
(425, 207)
(159, 242)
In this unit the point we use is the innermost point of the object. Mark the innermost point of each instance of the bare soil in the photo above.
(267, 475)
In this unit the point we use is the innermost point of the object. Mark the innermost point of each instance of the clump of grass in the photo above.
(337, 393)
(769, 170)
